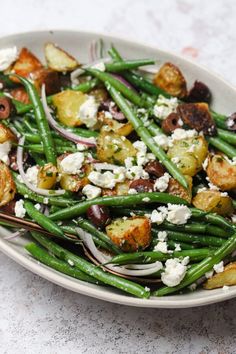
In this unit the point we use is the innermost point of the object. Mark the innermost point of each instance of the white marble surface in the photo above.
(39, 317)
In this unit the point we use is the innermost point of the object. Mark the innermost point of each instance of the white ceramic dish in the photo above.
(77, 43)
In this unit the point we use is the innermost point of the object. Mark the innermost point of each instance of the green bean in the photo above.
(59, 149)
(124, 200)
(28, 194)
(7, 83)
(200, 269)
(44, 257)
(192, 238)
(213, 218)
(92, 270)
(153, 256)
(37, 158)
(41, 120)
(172, 245)
(146, 136)
(223, 146)
(122, 88)
(42, 219)
(229, 137)
(220, 119)
(127, 65)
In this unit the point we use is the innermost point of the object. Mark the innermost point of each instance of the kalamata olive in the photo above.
(231, 122)
(9, 208)
(142, 185)
(5, 107)
(155, 169)
(65, 80)
(197, 116)
(170, 123)
(99, 215)
(109, 106)
(199, 93)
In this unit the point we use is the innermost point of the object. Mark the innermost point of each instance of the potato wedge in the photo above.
(123, 129)
(170, 79)
(113, 148)
(26, 64)
(130, 234)
(213, 201)
(225, 278)
(221, 173)
(59, 60)
(20, 94)
(6, 134)
(67, 104)
(7, 185)
(175, 188)
(47, 77)
(100, 94)
(47, 176)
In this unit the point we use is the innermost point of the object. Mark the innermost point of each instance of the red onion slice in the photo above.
(137, 271)
(14, 235)
(68, 135)
(19, 157)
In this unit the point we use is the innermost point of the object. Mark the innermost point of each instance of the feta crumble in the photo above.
(19, 209)
(4, 151)
(164, 106)
(161, 184)
(174, 272)
(88, 112)
(178, 214)
(106, 179)
(161, 247)
(136, 172)
(7, 57)
(157, 217)
(72, 163)
(162, 235)
(205, 163)
(162, 141)
(37, 206)
(91, 191)
(209, 274)
(99, 66)
(81, 147)
(219, 267)
(132, 191)
(179, 134)
(177, 247)
(32, 175)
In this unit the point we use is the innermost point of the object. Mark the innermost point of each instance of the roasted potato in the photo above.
(113, 148)
(59, 60)
(213, 201)
(122, 129)
(20, 94)
(47, 176)
(170, 79)
(100, 94)
(7, 185)
(6, 134)
(130, 234)
(67, 104)
(197, 116)
(225, 278)
(175, 188)
(26, 64)
(221, 173)
(47, 77)
(122, 188)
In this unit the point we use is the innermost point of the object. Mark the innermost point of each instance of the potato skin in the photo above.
(221, 173)
(113, 148)
(58, 59)
(47, 176)
(225, 278)
(7, 185)
(213, 201)
(170, 79)
(123, 129)
(130, 234)
(175, 188)
(67, 104)
(20, 94)
(6, 134)
(47, 77)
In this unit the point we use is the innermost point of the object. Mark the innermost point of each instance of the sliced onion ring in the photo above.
(19, 158)
(138, 270)
(68, 135)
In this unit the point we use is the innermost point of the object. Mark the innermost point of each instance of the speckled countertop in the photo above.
(39, 317)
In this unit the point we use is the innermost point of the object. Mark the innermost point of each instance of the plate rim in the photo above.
(78, 286)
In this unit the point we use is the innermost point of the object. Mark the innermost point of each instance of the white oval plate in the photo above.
(77, 43)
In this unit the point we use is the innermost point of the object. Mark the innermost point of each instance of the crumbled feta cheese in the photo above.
(164, 106)
(70, 262)
(88, 112)
(32, 175)
(146, 288)
(224, 194)
(161, 247)
(161, 184)
(4, 151)
(132, 191)
(177, 247)
(209, 274)
(19, 209)
(205, 163)
(7, 57)
(233, 218)
(225, 288)
(203, 189)
(178, 214)
(162, 140)
(162, 235)
(219, 267)
(157, 217)
(192, 287)
(72, 163)
(146, 199)
(81, 147)
(45, 200)
(174, 272)
(175, 160)
(99, 66)
(179, 134)
(91, 191)
(213, 187)
(1, 86)
(37, 206)
(129, 162)
(108, 115)
(106, 179)
(136, 172)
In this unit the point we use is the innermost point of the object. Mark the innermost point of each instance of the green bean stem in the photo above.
(127, 65)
